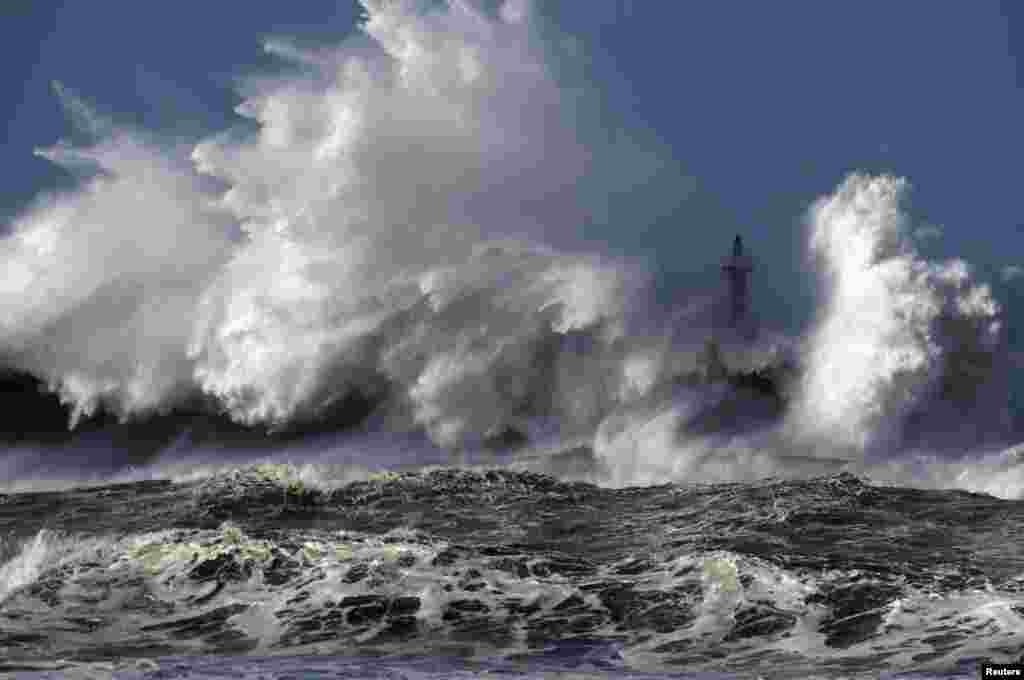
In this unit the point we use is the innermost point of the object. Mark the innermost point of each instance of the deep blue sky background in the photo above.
(761, 107)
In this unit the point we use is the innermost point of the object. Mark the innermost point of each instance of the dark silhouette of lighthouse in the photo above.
(737, 268)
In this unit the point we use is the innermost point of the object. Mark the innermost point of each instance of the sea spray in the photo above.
(893, 324)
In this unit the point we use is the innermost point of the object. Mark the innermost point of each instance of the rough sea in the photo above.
(336, 393)
(266, 572)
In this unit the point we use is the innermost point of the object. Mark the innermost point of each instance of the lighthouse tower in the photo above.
(737, 268)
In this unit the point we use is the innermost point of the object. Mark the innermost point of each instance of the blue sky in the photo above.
(758, 108)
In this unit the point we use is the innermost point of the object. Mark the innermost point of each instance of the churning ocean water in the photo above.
(326, 399)
(268, 571)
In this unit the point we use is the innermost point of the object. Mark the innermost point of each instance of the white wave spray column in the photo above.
(890, 324)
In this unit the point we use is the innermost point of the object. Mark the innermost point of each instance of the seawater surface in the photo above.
(258, 571)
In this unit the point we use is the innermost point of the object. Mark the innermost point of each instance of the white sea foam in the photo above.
(26, 565)
(31, 558)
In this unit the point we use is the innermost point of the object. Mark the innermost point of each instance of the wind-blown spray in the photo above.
(399, 224)
(895, 329)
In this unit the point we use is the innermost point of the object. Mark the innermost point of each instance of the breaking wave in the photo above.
(897, 333)
(393, 237)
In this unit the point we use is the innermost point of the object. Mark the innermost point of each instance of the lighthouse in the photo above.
(736, 268)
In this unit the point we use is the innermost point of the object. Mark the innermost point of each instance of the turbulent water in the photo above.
(505, 452)
(825, 577)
